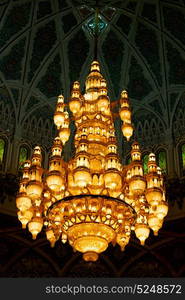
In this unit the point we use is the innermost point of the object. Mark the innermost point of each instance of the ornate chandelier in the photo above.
(93, 200)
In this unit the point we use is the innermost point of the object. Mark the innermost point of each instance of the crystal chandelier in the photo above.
(93, 200)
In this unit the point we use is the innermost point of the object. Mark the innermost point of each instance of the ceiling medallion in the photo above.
(93, 200)
(90, 25)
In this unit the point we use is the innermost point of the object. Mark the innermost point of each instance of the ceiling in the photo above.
(45, 45)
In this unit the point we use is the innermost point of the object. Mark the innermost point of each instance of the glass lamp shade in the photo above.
(153, 196)
(122, 240)
(82, 177)
(59, 118)
(64, 134)
(34, 189)
(154, 223)
(103, 103)
(23, 202)
(125, 114)
(51, 237)
(127, 130)
(142, 232)
(75, 105)
(25, 216)
(35, 226)
(55, 181)
(113, 179)
(91, 238)
(162, 210)
(137, 185)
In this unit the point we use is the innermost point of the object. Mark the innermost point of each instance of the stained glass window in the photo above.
(161, 160)
(128, 160)
(2, 150)
(183, 158)
(23, 155)
(145, 163)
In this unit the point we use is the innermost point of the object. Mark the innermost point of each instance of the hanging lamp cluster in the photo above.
(93, 200)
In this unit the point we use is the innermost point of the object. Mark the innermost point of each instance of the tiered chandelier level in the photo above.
(92, 200)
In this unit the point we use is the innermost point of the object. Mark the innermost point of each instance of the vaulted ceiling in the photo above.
(45, 45)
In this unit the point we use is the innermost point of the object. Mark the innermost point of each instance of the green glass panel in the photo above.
(128, 160)
(183, 156)
(23, 155)
(2, 148)
(162, 161)
(145, 163)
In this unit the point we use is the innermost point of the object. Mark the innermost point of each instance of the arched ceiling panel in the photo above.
(176, 65)
(44, 40)
(138, 85)
(11, 63)
(50, 83)
(43, 49)
(150, 11)
(78, 48)
(44, 9)
(147, 42)
(113, 57)
(15, 18)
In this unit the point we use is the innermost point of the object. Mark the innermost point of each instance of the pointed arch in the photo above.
(161, 157)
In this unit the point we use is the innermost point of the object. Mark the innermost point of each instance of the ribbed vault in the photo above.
(43, 48)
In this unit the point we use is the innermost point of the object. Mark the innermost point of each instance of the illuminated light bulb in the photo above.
(59, 118)
(64, 238)
(55, 181)
(162, 209)
(129, 198)
(90, 256)
(75, 105)
(37, 202)
(23, 202)
(103, 83)
(127, 130)
(113, 179)
(25, 216)
(152, 166)
(60, 99)
(122, 239)
(137, 185)
(125, 114)
(115, 193)
(124, 94)
(64, 134)
(34, 189)
(47, 194)
(136, 154)
(153, 196)
(142, 232)
(51, 237)
(82, 177)
(159, 171)
(27, 164)
(35, 226)
(95, 66)
(154, 222)
(103, 102)
(93, 207)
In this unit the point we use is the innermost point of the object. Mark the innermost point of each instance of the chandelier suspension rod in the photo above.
(96, 32)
